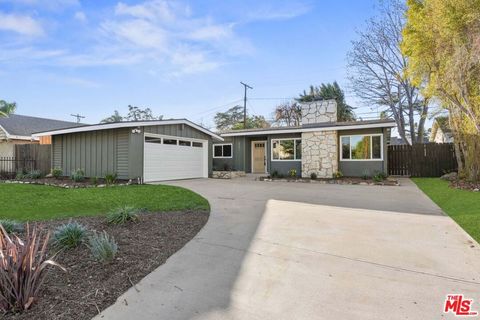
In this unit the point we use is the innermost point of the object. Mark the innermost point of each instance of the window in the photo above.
(197, 144)
(169, 141)
(286, 149)
(222, 150)
(153, 140)
(361, 147)
(184, 143)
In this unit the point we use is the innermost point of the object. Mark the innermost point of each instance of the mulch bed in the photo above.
(465, 185)
(343, 180)
(90, 286)
(66, 182)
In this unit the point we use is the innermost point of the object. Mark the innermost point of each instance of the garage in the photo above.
(143, 151)
(170, 158)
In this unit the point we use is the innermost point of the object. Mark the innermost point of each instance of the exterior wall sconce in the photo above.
(136, 130)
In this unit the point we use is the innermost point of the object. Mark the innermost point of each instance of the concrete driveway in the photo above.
(310, 251)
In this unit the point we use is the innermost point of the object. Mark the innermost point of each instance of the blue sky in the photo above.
(180, 58)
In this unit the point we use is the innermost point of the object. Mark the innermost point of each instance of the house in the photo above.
(441, 132)
(152, 150)
(180, 149)
(321, 145)
(18, 129)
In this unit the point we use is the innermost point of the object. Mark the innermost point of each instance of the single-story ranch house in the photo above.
(180, 149)
(321, 145)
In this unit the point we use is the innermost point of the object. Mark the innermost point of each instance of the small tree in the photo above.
(232, 119)
(288, 114)
(115, 117)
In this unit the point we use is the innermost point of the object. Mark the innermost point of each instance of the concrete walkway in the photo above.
(310, 251)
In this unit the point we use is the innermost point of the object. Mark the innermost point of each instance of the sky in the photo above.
(182, 59)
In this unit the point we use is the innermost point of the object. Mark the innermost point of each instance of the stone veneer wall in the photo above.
(319, 112)
(319, 153)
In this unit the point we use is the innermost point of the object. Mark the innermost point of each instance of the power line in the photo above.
(216, 108)
(78, 116)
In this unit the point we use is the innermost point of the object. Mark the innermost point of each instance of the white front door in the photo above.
(173, 158)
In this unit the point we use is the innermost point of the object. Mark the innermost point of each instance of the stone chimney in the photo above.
(319, 148)
(319, 112)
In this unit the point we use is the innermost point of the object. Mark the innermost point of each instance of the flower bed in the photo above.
(227, 174)
(343, 180)
(65, 182)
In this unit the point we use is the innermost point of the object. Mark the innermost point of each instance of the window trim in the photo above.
(222, 144)
(294, 149)
(371, 146)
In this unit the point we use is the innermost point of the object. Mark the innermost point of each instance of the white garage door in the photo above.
(172, 158)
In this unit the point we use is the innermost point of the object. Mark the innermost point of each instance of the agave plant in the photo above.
(23, 267)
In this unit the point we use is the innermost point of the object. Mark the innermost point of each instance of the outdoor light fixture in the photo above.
(136, 130)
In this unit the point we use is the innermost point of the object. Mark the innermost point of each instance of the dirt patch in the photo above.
(343, 180)
(465, 185)
(89, 286)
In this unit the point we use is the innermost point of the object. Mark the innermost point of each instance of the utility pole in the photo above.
(245, 104)
(78, 117)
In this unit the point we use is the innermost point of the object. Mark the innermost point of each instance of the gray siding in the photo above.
(116, 150)
(237, 162)
(284, 166)
(358, 168)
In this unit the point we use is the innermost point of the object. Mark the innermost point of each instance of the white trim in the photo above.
(294, 149)
(222, 144)
(297, 130)
(127, 125)
(15, 137)
(371, 147)
(251, 156)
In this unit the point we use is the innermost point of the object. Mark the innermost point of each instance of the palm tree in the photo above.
(330, 91)
(7, 108)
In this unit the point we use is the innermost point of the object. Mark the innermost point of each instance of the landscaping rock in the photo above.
(452, 176)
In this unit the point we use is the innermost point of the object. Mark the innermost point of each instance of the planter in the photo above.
(227, 174)
(347, 181)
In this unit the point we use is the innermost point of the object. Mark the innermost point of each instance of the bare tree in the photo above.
(376, 68)
(288, 114)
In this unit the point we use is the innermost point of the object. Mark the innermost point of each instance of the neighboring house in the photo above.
(441, 132)
(18, 129)
(321, 145)
(148, 150)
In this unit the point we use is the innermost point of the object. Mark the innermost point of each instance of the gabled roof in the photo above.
(21, 127)
(127, 124)
(383, 123)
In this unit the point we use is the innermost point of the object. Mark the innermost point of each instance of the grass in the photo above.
(462, 205)
(36, 202)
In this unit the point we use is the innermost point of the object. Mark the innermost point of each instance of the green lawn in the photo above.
(463, 206)
(37, 202)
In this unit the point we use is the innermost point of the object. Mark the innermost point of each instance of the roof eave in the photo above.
(300, 130)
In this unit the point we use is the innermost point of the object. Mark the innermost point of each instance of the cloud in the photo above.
(80, 16)
(21, 24)
(279, 11)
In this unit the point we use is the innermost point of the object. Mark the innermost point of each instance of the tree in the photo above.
(442, 42)
(330, 91)
(376, 68)
(115, 117)
(138, 114)
(232, 119)
(7, 108)
(288, 114)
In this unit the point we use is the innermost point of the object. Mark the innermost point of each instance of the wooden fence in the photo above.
(421, 160)
(41, 153)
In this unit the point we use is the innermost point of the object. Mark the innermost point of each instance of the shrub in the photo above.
(20, 175)
(103, 247)
(274, 174)
(57, 172)
(337, 175)
(34, 174)
(313, 176)
(78, 175)
(122, 215)
(110, 178)
(95, 181)
(11, 226)
(24, 265)
(379, 176)
(292, 173)
(366, 174)
(69, 235)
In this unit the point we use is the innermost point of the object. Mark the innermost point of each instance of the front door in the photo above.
(259, 157)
